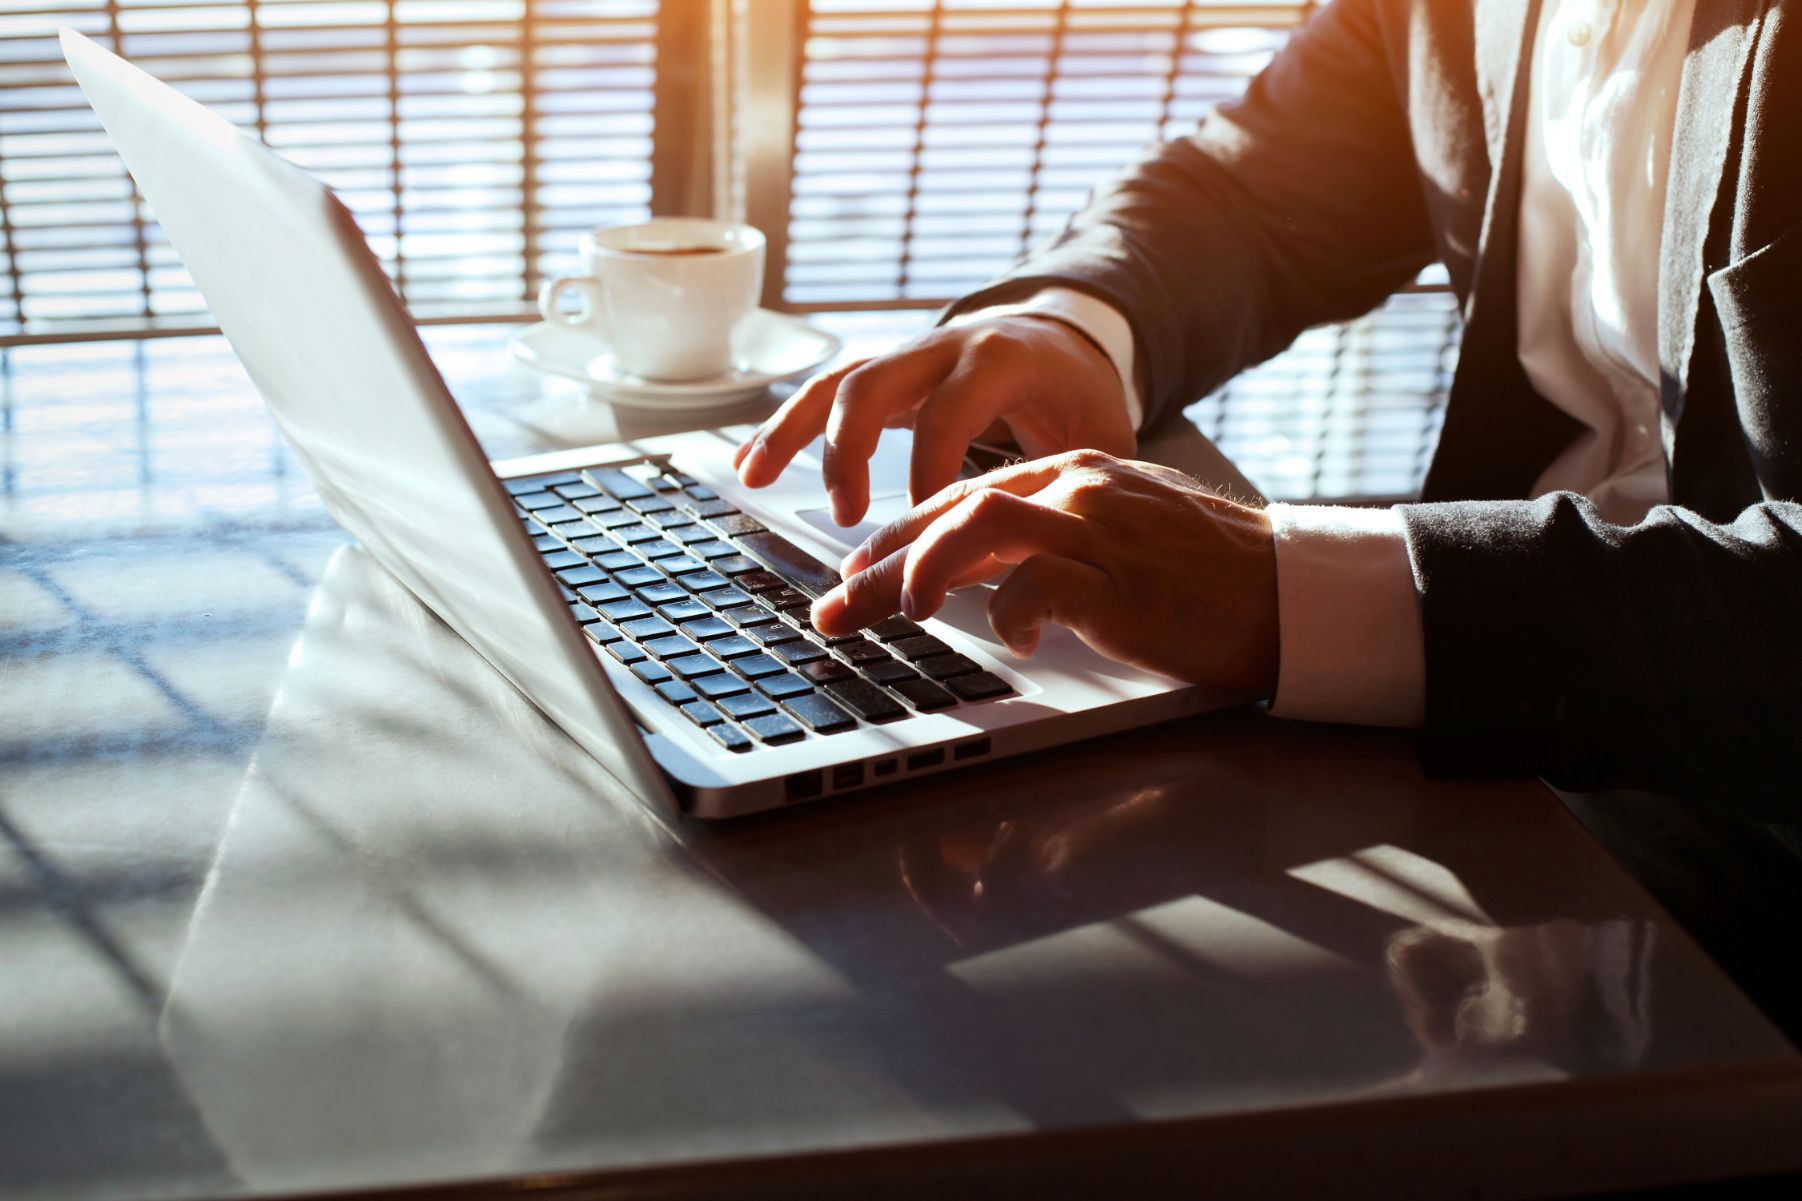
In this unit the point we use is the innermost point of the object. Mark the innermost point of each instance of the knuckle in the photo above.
(1089, 459)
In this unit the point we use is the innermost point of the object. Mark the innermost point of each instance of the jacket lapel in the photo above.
(1498, 432)
(1720, 44)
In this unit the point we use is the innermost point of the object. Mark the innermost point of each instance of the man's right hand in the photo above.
(1048, 385)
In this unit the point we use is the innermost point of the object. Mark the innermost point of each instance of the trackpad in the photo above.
(883, 509)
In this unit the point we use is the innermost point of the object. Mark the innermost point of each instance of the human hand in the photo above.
(1051, 388)
(1142, 563)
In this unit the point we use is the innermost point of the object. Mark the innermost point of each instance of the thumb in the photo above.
(1046, 588)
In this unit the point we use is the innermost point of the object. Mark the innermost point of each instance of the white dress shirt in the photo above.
(1603, 93)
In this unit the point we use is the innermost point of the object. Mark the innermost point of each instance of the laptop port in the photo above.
(802, 786)
(970, 750)
(847, 775)
(920, 760)
(883, 767)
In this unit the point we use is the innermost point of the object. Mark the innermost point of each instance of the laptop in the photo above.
(635, 593)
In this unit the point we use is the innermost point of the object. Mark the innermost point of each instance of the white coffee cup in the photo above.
(664, 296)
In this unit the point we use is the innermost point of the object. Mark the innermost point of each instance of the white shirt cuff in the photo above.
(1100, 321)
(1348, 617)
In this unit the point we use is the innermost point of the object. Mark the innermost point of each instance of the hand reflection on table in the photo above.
(1574, 996)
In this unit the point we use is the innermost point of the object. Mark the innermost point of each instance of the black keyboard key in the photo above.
(683, 610)
(890, 672)
(643, 628)
(703, 581)
(614, 519)
(595, 504)
(650, 672)
(863, 653)
(527, 486)
(638, 577)
(737, 524)
(631, 535)
(733, 646)
(943, 667)
(566, 594)
(559, 560)
(790, 561)
(730, 737)
(673, 520)
(602, 632)
(703, 628)
(818, 714)
(699, 491)
(866, 700)
(736, 565)
(826, 671)
(546, 543)
(716, 686)
(675, 692)
(616, 481)
(796, 653)
(682, 565)
(760, 581)
(714, 507)
(774, 728)
(920, 646)
(712, 550)
(702, 713)
(653, 504)
(691, 666)
(893, 629)
(556, 516)
(978, 686)
(745, 615)
(670, 646)
(574, 492)
(924, 695)
(787, 599)
(533, 502)
(661, 594)
(658, 551)
(626, 652)
(601, 593)
(571, 530)
(617, 560)
(688, 533)
(773, 634)
(623, 610)
(583, 613)
(578, 577)
(783, 686)
(746, 704)
(756, 666)
(727, 598)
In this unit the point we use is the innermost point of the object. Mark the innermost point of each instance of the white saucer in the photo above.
(770, 346)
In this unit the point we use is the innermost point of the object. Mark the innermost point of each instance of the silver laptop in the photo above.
(649, 605)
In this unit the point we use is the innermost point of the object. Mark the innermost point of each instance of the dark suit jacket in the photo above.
(1668, 654)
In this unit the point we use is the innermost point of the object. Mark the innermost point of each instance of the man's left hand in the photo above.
(1140, 561)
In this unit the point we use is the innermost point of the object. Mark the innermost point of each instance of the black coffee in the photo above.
(675, 251)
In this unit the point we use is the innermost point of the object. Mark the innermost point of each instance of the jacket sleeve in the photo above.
(1666, 655)
(1296, 205)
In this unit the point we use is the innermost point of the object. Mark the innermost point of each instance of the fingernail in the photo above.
(753, 461)
(841, 507)
(827, 607)
(908, 610)
(1022, 647)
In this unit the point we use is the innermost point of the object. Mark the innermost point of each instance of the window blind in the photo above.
(936, 140)
(473, 139)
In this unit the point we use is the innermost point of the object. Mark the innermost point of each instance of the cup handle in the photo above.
(591, 316)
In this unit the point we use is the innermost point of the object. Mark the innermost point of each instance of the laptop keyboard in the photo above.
(708, 607)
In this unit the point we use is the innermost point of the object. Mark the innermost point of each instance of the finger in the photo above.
(867, 398)
(988, 523)
(1022, 479)
(963, 406)
(1046, 588)
(783, 434)
(872, 595)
